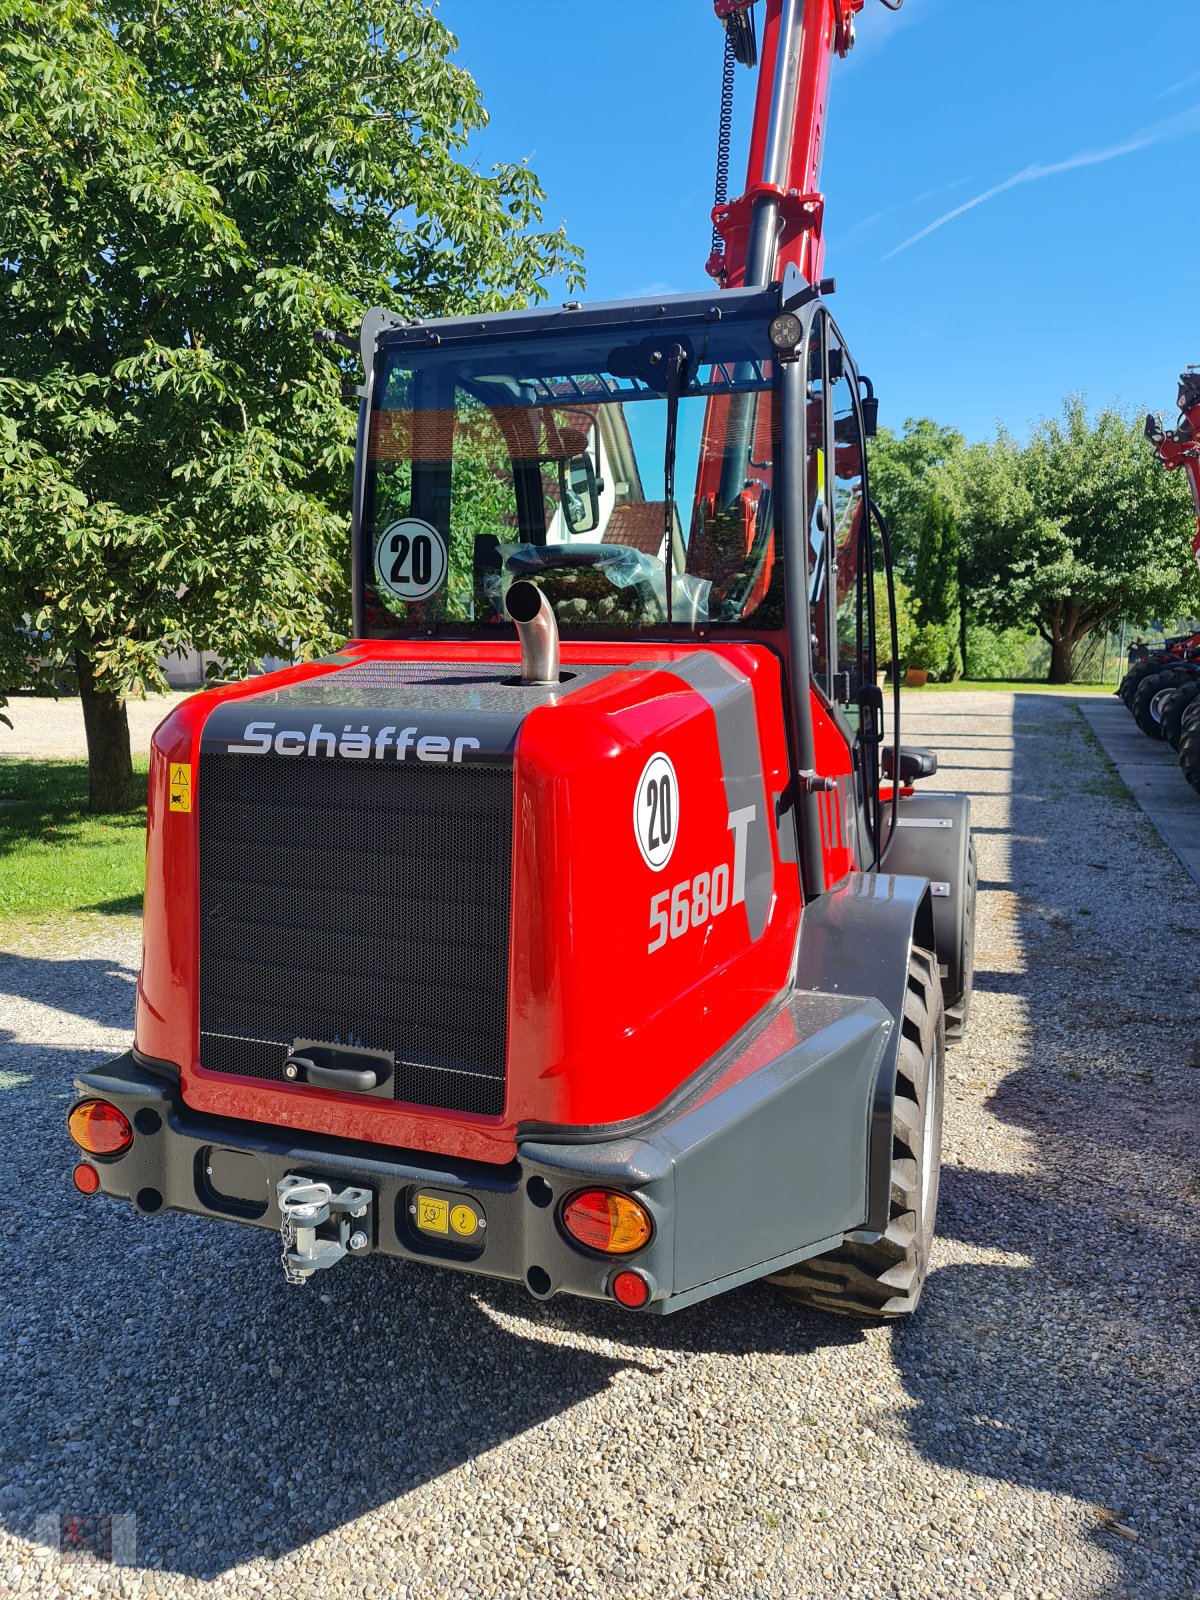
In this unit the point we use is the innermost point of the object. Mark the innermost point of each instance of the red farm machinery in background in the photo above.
(1162, 686)
(573, 925)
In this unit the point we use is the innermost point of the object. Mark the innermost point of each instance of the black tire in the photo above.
(1172, 712)
(1189, 745)
(957, 1014)
(1131, 680)
(884, 1280)
(1145, 699)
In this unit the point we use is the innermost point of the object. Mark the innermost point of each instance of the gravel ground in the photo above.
(394, 1431)
(44, 728)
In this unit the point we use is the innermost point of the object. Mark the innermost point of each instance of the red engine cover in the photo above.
(655, 899)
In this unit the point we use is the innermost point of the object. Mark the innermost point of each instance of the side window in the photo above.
(837, 525)
(847, 504)
(820, 515)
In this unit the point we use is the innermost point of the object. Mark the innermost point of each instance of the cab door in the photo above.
(847, 599)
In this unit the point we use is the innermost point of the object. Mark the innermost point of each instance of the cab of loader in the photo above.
(690, 470)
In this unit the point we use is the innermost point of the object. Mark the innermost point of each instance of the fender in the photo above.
(855, 940)
(932, 838)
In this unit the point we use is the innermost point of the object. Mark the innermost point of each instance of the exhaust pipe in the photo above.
(528, 607)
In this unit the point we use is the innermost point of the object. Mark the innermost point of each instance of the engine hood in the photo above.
(619, 843)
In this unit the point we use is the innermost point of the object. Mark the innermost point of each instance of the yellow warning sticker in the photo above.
(181, 786)
(464, 1221)
(433, 1216)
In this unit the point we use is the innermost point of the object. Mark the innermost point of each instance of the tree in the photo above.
(1078, 530)
(189, 190)
(936, 585)
(906, 471)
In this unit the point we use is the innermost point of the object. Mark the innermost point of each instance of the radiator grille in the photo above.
(359, 901)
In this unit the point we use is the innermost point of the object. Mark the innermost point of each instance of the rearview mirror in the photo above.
(579, 492)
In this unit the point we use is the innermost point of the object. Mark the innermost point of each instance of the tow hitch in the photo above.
(317, 1227)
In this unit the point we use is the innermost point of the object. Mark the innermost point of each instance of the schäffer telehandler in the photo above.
(572, 925)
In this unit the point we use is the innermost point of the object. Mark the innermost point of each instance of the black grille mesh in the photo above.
(357, 901)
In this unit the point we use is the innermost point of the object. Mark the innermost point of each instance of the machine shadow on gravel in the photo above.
(95, 990)
(1076, 1374)
(164, 1369)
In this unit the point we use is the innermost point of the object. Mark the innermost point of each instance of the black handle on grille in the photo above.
(358, 1080)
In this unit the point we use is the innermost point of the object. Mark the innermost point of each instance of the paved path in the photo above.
(399, 1431)
(1150, 771)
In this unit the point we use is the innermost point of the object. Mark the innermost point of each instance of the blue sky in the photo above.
(1063, 135)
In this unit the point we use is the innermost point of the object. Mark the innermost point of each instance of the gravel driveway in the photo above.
(43, 728)
(391, 1431)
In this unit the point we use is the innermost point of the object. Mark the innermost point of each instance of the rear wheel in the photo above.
(957, 1014)
(1173, 710)
(885, 1279)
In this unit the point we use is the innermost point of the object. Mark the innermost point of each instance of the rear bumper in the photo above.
(765, 1164)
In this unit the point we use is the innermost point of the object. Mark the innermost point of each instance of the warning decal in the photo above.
(181, 786)
(433, 1215)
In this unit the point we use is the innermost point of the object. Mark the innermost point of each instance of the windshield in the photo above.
(631, 476)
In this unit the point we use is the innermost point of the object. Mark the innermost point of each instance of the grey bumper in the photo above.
(766, 1165)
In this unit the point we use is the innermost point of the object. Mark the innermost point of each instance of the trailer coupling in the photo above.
(318, 1227)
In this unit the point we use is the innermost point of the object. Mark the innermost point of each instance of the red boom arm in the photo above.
(777, 220)
(1180, 446)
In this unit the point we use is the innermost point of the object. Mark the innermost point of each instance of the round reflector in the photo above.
(99, 1128)
(605, 1219)
(631, 1289)
(87, 1179)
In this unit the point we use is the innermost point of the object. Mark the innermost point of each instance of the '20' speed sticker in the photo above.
(656, 811)
(410, 560)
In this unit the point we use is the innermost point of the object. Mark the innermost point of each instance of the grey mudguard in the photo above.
(856, 939)
(770, 1166)
(931, 841)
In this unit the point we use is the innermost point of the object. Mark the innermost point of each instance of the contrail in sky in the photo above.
(1174, 88)
(1154, 134)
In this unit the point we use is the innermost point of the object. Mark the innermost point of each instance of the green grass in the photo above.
(56, 859)
(1019, 686)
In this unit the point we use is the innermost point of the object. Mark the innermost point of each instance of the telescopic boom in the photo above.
(777, 221)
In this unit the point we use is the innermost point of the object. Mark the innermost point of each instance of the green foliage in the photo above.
(1004, 654)
(930, 649)
(1079, 529)
(907, 470)
(189, 190)
(936, 584)
(906, 622)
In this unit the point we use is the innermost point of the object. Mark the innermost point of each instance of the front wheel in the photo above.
(884, 1280)
(1189, 745)
(1173, 710)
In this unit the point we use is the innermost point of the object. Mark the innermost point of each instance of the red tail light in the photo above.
(100, 1129)
(605, 1219)
(631, 1289)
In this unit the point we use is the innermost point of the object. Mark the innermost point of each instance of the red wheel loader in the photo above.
(1162, 689)
(573, 925)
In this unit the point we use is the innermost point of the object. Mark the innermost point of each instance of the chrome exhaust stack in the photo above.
(528, 607)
